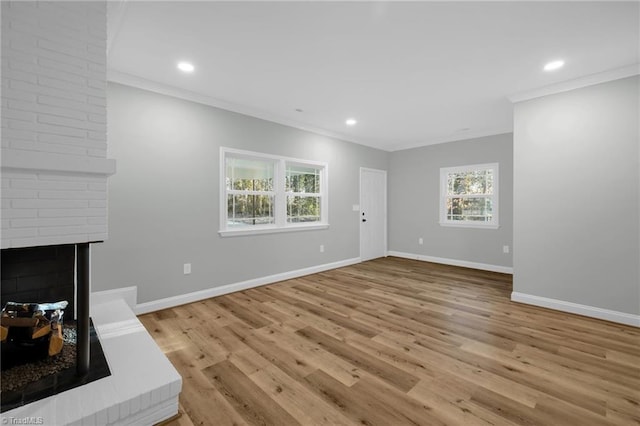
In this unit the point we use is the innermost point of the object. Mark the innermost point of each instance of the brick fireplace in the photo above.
(55, 170)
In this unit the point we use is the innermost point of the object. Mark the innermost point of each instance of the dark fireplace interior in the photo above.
(39, 275)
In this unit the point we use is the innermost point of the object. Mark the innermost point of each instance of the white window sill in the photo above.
(470, 225)
(272, 230)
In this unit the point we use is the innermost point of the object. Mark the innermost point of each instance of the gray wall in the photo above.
(163, 200)
(414, 194)
(576, 201)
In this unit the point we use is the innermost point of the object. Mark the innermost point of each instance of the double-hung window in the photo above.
(469, 196)
(263, 193)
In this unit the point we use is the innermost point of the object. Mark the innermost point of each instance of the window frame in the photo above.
(280, 198)
(444, 181)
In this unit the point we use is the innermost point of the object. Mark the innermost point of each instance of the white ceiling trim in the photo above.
(165, 89)
(588, 80)
(453, 138)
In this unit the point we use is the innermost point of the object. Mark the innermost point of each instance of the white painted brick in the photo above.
(96, 220)
(66, 104)
(45, 205)
(125, 409)
(14, 134)
(46, 128)
(145, 401)
(62, 121)
(19, 233)
(15, 194)
(135, 405)
(19, 75)
(49, 147)
(47, 90)
(114, 413)
(53, 96)
(13, 114)
(52, 185)
(98, 186)
(97, 118)
(95, 100)
(98, 236)
(72, 195)
(44, 222)
(88, 212)
(18, 213)
(69, 230)
(102, 417)
(98, 136)
(102, 153)
(5, 223)
(62, 84)
(17, 174)
(47, 64)
(71, 178)
(70, 140)
(46, 241)
(9, 93)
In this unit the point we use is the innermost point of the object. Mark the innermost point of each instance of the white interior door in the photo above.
(373, 213)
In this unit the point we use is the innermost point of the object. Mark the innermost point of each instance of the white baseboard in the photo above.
(453, 262)
(575, 308)
(182, 299)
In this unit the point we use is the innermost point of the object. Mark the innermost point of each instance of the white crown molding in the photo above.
(453, 138)
(575, 308)
(176, 92)
(453, 262)
(588, 80)
(170, 302)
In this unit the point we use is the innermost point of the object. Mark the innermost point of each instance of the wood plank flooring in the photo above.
(396, 342)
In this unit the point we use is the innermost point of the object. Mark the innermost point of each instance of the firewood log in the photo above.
(56, 341)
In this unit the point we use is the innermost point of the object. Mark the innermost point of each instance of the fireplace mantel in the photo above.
(38, 162)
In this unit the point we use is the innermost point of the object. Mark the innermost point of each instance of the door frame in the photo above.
(386, 207)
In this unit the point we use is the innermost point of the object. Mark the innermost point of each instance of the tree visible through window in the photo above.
(469, 195)
(263, 192)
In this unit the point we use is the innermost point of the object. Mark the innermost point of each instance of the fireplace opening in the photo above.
(48, 344)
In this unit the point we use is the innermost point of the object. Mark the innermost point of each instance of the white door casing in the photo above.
(373, 213)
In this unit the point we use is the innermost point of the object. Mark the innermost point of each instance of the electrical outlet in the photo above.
(187, 268)
(420, 241)
(321, 248)
(505, 249)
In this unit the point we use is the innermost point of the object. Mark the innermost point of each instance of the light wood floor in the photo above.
(396, 342)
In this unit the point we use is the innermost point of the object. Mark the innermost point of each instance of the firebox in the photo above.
(45, 290)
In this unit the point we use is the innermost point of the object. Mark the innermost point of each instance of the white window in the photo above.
(469, 196)
(263, 193)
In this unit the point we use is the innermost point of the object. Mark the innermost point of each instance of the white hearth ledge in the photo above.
(143, 387)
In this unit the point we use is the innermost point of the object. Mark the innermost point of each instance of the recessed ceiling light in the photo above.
(186, 67)
(554, 65)
(351, 122)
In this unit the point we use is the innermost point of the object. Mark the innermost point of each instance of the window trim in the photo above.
(280, 219)
(445, 171)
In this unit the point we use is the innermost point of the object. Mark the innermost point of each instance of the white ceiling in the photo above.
(411, 73)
